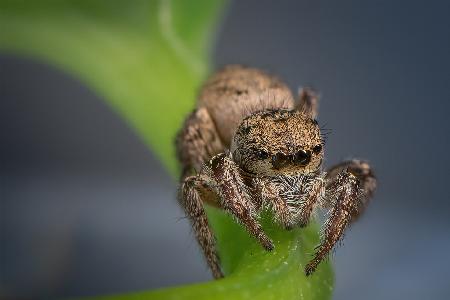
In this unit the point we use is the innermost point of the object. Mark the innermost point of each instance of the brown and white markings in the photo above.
(248, 146)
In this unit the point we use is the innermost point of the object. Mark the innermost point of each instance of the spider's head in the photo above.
(277, 142)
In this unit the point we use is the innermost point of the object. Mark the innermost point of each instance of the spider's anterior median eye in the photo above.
(262, 154)
(302, 157)
(279, 160)
(317, 149)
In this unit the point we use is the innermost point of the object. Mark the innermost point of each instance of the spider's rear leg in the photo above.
(309, 102)
(197, 142)
(351, 184)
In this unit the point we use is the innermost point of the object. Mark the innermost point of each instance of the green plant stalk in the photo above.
(147, 59)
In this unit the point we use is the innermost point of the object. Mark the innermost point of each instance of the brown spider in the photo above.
(248, 147)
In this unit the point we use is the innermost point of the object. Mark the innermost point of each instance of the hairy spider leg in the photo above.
(346, 193)
(309, 102)
(363, 171)
(350, 186)
(197, 142)
(191, 201)
(221, 175)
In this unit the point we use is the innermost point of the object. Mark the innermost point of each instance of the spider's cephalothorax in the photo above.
(248, 146)
(277, 142)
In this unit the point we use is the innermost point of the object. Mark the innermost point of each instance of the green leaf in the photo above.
(254, 272)
(147, 60)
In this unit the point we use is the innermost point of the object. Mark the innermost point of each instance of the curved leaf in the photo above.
(147, 60)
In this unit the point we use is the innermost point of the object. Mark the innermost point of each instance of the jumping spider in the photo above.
(248, 147)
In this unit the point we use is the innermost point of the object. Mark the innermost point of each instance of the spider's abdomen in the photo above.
(236, 92)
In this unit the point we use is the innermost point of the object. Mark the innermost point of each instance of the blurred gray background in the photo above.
(86, 209)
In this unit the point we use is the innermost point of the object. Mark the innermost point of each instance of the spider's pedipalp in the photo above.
(269, 195)
(313, 196)
(293, 198)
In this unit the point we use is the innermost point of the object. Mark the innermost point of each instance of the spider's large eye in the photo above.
(317, 149)
(302, 157)
(279, 160)
(262, 154)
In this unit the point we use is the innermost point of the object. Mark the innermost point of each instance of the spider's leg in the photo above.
(349, 189)
(197, 142)
(309, 102)
(234, 195)
(347, 194)
(191, 201)
(220, 176)
(366, 178)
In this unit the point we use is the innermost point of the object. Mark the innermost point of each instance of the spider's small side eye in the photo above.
(317, 149)
(262, 154)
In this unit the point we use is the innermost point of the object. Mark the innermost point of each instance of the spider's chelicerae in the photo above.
(248, 146)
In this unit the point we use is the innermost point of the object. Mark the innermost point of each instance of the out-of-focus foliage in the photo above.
(147, 60)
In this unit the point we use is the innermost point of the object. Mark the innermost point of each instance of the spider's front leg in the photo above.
(350, 186)
(221, 176)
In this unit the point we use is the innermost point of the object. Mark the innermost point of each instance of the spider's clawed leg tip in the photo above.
(302, 225)
(289, 227)
(269, 246)
(218, 274)
(309, 269)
